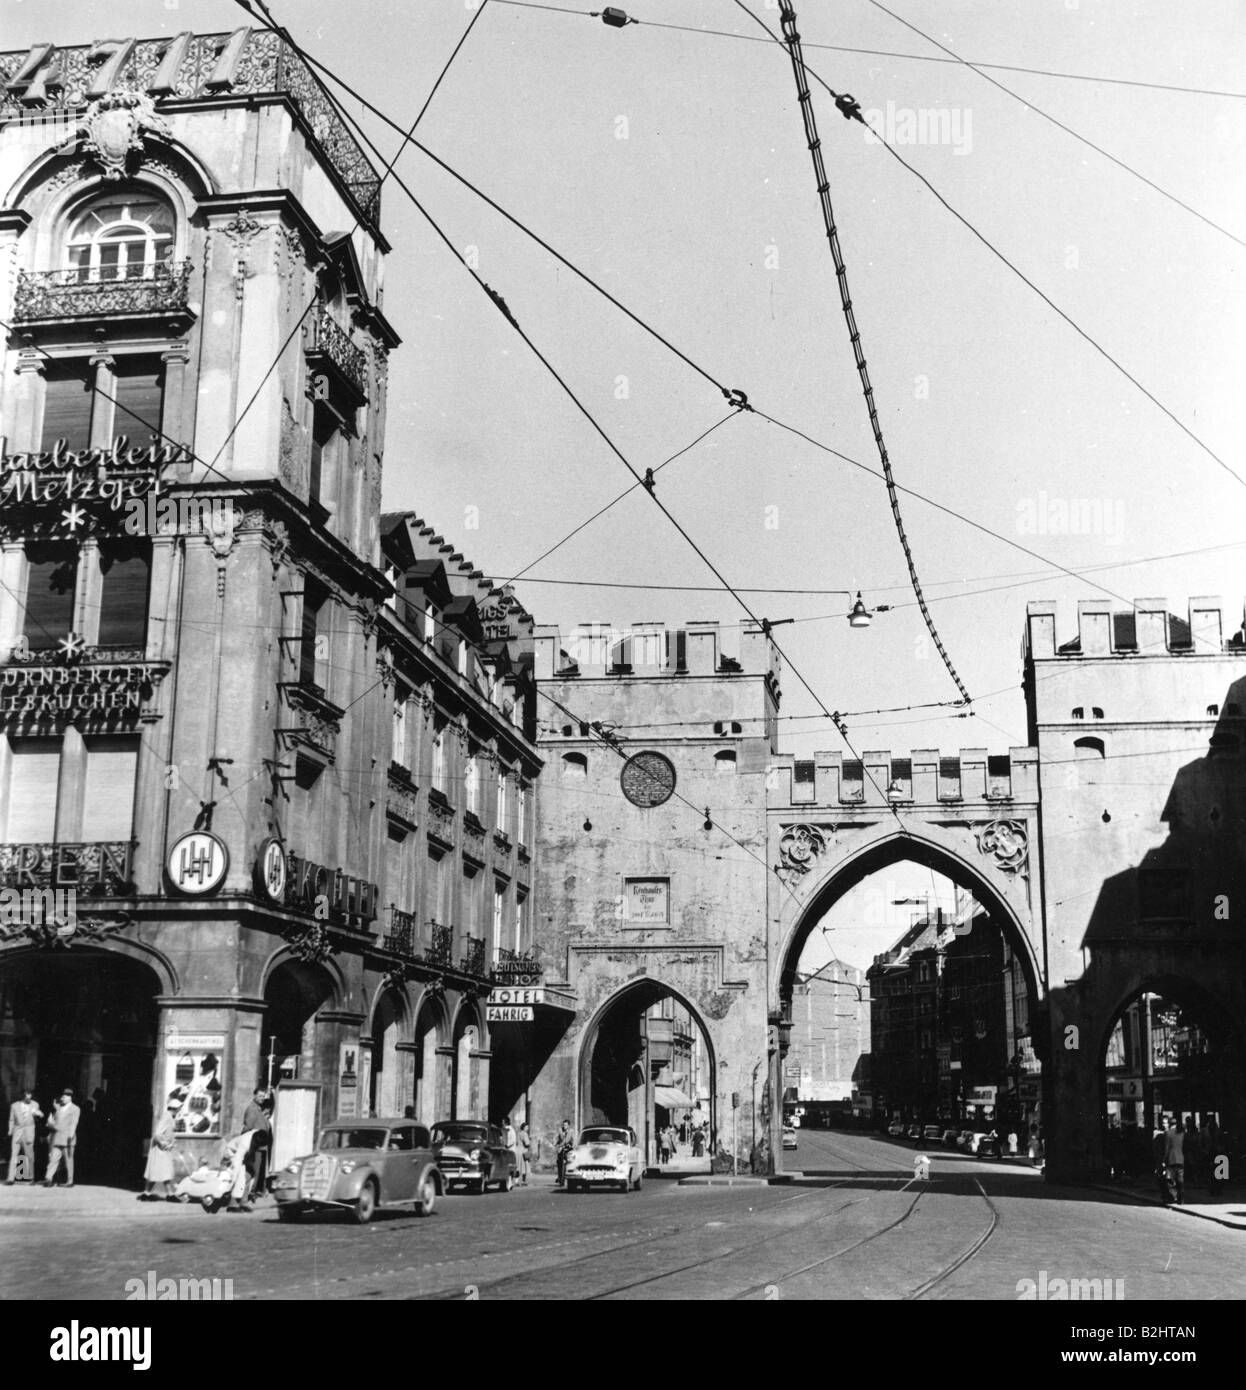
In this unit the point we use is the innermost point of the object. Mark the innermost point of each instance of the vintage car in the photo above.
(605, 1155)
(789, 1137)
(473, 1154)
(360, 1166)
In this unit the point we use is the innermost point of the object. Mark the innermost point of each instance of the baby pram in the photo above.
(214, 1187)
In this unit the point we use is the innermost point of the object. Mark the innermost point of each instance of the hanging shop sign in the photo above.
(197, 863)
(518, 971)
(287, 880)
(502, 617)
(193, 1065)
(501, 1013)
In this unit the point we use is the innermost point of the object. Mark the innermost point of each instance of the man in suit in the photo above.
(63, 1137)
(1174, 1160)
(22, 1116)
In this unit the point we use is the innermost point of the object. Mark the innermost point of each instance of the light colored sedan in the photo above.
(358, 1166)
(605, 1156)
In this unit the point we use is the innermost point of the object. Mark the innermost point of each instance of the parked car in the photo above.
(473, 1154)
(359, 1166)
(605, 1155)
(896, 1129)
(789, 1137)
(989, 1146)
(950, 1137)
(915, 1133)
(931, 1136)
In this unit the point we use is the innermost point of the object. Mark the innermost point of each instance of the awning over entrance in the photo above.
(672, 1098)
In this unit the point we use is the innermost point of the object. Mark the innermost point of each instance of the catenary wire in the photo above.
(805, 100)
(1068, 130)
(889, 53)
(1016, 270)
(500, 304)
(701, 371)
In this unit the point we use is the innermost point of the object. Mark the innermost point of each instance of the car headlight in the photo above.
(349, 1165)
(476, 1155)
(293, 1166)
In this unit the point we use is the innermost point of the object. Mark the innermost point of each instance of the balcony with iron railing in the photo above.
(329, 346)
(474, 956)
(130, 292)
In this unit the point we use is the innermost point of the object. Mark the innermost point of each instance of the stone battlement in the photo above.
(924, 777)
(651, 649)
(1149, 629)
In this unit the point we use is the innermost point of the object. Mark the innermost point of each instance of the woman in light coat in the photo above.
(160, 1172)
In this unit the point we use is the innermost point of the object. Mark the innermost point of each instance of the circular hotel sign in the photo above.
(197, 863)
(272, 871)
(648, 779)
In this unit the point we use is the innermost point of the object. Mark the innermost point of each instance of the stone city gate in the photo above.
(832, 823)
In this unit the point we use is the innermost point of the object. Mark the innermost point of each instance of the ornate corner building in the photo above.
(267, 773)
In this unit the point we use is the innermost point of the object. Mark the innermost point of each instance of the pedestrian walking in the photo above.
(563, 1145)
(664, 1146)
(1174, 1160)
(22, 1116)
(62, 1138)
(159, 1172)
(525, 1150)
(511, 1136)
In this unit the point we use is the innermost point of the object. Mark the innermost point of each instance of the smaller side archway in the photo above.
(647, 1060)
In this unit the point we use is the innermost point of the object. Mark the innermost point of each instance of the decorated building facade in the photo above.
(266, 785)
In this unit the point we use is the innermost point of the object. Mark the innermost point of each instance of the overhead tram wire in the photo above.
(805, 100)
(627, 492)
(890, 53)
(500, 304)
(211, 466)
(695, 366)
(1068, 130)
(1051, 304)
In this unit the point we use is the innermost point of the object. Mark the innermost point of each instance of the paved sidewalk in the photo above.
(1227, 1209)
(25, 1199)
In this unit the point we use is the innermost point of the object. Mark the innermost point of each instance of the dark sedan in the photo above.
(473, 1154)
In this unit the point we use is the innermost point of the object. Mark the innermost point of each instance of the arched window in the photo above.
(574, 765)
(724, 761)
(121, 236)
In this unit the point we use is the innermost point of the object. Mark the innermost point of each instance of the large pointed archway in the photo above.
(1003, 936)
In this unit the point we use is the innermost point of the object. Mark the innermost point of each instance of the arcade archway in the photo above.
(295, 992)
(433, 1069)
(646, 1060)
(470, 1088)
(1170, 1053)
(387, 1088)
(86, 1020)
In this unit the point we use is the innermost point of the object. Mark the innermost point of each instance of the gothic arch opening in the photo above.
(646, 1061)
(909, 993)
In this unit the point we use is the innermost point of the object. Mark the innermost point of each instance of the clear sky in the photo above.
(672, 167)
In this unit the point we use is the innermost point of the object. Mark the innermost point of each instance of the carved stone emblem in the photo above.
(1007, 842)
(799, 848)
(113, 129)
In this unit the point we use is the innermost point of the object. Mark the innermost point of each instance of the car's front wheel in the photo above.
(636, 1184)
(427, 1200)
(507, 1183)
(365, 1204)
